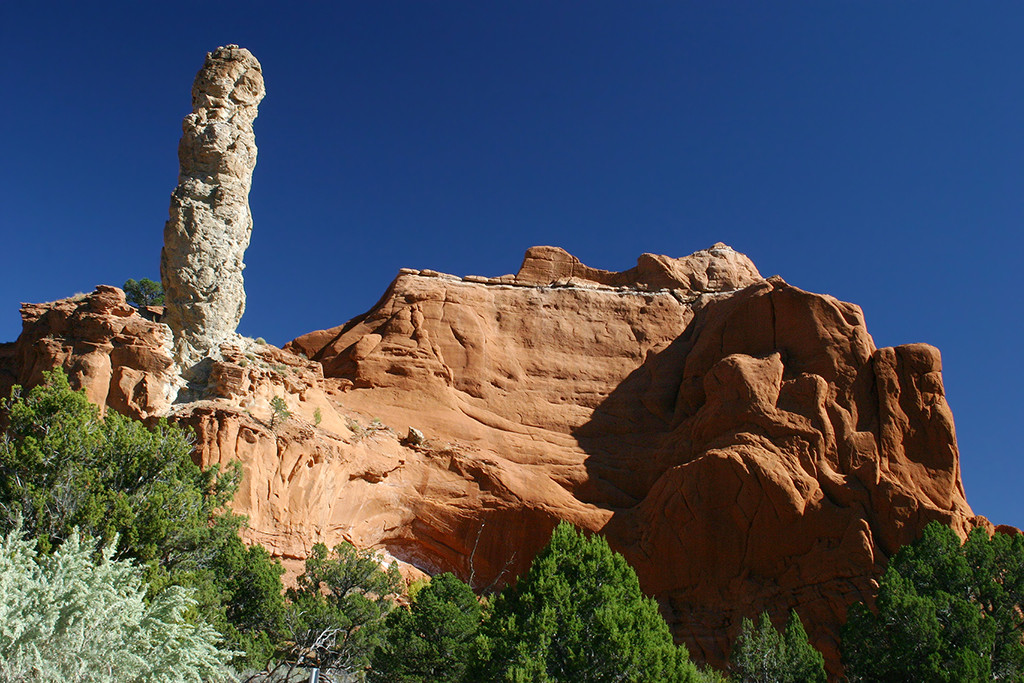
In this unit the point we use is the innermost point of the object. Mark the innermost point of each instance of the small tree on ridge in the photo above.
(144, 292)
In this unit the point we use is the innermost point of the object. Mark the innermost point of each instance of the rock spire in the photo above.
(210, 222)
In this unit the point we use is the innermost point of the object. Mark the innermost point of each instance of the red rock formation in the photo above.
(784, 460)
(120, 358)
(740, 440)
(716, 269)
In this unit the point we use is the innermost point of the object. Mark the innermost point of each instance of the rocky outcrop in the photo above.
(118, 357)
(717, 269)
(210, 223)
(740, 440)
(783, 460)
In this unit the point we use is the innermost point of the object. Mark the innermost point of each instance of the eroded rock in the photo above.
(717, 269)
(210, 223)
(119, 358)
(740, 440)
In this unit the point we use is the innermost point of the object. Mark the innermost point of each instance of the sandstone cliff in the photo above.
(740, 440)
(121, 359)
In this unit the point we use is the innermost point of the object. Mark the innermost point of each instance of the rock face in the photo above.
(119, 358)
(740, 440)
(210, 222)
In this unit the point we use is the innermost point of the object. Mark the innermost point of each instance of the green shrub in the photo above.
(278, 411)
(578, 615)
(431, 641)
(763, 655)
(138, 491)
(946, 612)
(62, 466)
(336, 613)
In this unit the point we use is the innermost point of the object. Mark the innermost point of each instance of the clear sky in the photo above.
(872, 150)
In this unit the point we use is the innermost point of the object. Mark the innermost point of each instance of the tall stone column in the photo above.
(210, 222)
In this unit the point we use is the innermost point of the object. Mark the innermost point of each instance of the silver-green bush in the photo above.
(71, 618)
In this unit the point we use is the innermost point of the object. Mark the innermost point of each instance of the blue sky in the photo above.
(872, 150)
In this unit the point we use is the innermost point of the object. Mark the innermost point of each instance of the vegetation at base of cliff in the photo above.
(336, 615)
(67, 473)
(433, 639)
(144, 292)
(79, 614)
(108, 528)
(578, 614)
(64, 469)
(62, 466)
(946, 612)
(763, 655)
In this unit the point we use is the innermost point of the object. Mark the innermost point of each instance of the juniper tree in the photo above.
(763, 655)
(578, 614)
(431, 641)
(336, 612)
(945, 612)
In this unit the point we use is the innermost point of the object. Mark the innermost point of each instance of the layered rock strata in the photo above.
(119, 358)
(210, 222)
(740, 440)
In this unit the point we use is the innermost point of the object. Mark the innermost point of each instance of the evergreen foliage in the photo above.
(431, 641)
(945, 612)
(65, 617)
(336, 616)
(763, 655)
(578, 615)
(251, 600)
(278, 411)
(144, 292)
(63, 467)
(709, 675)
